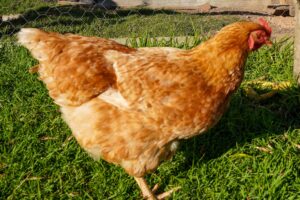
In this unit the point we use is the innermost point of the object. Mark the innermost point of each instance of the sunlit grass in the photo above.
(252, 153)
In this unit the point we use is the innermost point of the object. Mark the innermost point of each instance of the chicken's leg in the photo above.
(148, 194)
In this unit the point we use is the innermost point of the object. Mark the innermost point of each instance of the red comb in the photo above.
(265, 24)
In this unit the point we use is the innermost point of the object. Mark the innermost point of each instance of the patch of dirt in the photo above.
(281, 23)
(282, 26)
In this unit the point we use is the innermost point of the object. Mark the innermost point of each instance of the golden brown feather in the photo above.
(132, 106)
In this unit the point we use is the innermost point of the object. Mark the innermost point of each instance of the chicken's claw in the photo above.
(167, 194)
(155, 188)
(149, 194)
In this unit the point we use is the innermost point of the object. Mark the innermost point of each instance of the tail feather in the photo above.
(32, 39)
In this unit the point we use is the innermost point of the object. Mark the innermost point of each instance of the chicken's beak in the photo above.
(269, 43)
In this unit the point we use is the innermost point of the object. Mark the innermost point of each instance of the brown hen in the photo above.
(130, 106)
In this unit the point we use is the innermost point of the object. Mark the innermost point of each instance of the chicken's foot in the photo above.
(148, 193)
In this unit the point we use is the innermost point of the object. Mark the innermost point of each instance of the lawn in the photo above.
(91, 21)
(252, 153)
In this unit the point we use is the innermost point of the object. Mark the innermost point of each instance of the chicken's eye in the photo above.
(258, 37)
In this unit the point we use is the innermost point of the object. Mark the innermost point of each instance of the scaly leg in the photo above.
(148, 194)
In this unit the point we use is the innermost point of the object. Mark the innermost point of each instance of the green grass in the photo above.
(252, 153)
(94, 21)
(38, 160)
(20, 6)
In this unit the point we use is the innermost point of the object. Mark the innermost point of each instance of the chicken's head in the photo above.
(260, 37)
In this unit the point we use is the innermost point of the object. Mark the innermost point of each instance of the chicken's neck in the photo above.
(221, 65)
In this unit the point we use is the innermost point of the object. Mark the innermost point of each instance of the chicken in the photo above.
(131, 107)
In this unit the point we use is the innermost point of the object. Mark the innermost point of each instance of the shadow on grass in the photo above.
(244, 121)
(70, 15)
